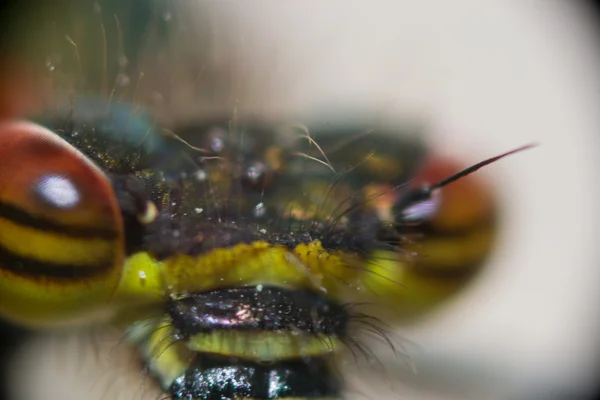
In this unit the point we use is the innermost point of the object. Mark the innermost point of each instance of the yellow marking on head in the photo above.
(262, 346)
(388, 278)
(167, 359)
(141, 280)
(307, 266)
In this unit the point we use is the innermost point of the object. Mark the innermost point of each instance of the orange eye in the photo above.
(61, 231)
(449, 232)
(464, 203)
(460, 230)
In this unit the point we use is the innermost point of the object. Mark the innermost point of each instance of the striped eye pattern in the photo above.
(61, 231)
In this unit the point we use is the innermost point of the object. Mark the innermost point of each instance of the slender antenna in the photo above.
(475, 167)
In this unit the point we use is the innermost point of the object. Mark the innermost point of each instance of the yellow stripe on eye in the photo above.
(441, 267)
(447, 253)
(55, 248)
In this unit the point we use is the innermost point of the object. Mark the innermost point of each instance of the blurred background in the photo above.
(488, 76)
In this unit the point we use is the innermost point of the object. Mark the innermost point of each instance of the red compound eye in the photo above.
(61, 233)
(463, 203)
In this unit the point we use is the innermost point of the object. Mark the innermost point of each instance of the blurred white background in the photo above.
(492, 75)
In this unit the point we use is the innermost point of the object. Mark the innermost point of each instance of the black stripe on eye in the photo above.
(21, 217)
(429, 231)
(32, 268)
(459, 272)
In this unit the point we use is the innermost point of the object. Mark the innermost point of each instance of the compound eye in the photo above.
(61, 230)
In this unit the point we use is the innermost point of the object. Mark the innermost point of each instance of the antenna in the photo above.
(475, 167)
(420, 203)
